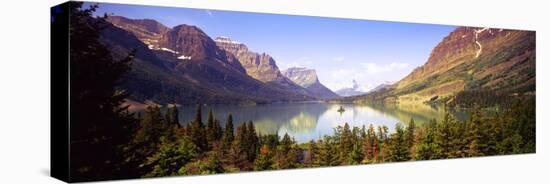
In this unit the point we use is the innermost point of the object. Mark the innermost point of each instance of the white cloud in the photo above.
(374, 68)
(368, 75)
(343, 78)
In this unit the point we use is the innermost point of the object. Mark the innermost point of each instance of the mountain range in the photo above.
(174, 65)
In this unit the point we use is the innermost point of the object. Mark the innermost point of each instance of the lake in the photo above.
(312, 120)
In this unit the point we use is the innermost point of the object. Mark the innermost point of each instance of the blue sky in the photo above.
(340, 50)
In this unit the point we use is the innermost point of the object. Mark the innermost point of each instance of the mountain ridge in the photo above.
(468, 60)
(184, 63)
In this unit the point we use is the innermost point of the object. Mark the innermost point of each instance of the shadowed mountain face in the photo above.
(469, 59)
(183, 63)
(192, 43)
(307, 78)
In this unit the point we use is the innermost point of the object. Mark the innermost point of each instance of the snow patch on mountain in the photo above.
(225, 39)
(476, 33)
(169, 50)
(184, 57)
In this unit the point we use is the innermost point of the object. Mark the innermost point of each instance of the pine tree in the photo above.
(443, 136)
(196, 131)
(383, 143)
(240, 148)
(370, 145)
(271, 140)
(252, 141)
(428, 149)
(171, 116)
(382, 133)
(286, 155)
(474, 134)
(328, 152)
(356, 155)
(171, 157)
(311, 154)
(346, 143)
(147, 138)
(210, 164)
(218, 132)
(100, 125)
(375, 149)
(210, 129)
(410, 135)
(398, 148)
(243, 137)
(228, 133)
(264, 160)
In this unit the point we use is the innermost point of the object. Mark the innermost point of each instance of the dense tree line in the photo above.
(487, 98)
(205, 149)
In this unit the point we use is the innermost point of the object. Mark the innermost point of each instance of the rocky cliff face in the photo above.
(190, 43)
(307, 78)
(259, 66)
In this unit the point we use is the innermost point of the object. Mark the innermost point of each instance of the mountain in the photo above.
(260, 66)
(183, 64)
(148, 29)
(470, 60)
(307, 78)
(353, 91)
(383, 86)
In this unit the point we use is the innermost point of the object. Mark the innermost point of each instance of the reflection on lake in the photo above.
(306, 121)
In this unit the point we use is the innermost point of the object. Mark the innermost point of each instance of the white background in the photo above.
(25, 69)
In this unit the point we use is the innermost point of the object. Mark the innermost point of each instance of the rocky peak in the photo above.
(301, 76)
(307, 78)
(259, 66)
(190, 41)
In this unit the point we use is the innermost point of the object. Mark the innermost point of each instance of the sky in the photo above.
(340, 50)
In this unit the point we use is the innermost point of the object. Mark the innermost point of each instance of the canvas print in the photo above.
(165, 91)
